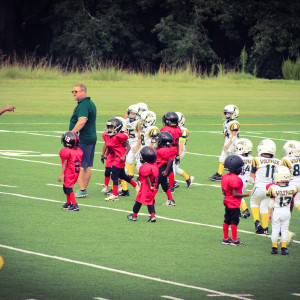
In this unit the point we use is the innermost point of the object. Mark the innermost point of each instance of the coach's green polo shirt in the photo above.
(85, 108)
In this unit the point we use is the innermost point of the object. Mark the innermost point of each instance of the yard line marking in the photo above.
(122, 272)
(295, 294)
(59, 185)
(244, 295)
(174, 298)
(142, 214)
(100, 298)
(12, 186)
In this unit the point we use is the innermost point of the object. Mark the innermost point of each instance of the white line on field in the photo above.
(295, 294)
(244, 295)
(142, 214)
(12, 186)
(170, 297)
(123, 272)
(100, 298)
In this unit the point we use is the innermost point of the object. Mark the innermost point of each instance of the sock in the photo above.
(115, 190)
(283, 244)
(132, 182)
(264, 220)
(171, 179)
(72, 198)
(169, 194)
(68, 199)
(134, 214)
(130, 169)
(255, 213)
(106, 180)
(234, 232)
(225, 231)
(244, 205)
(221, 168)
(152, 215)
(185, 176)
(274, 245)
(124, 185)
(298, 207)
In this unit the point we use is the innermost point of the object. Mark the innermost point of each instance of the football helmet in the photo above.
(142, 107)
(165, 139)
(170, 119)
(181, 119)
(132, 109)
(234, 164)
(266, 146)
(113, 126)
(233, 110)
(148, 118)
(282, 174)
(124, 124)
(291, 148)
(70, 139)
(148, 154)
(243, 146)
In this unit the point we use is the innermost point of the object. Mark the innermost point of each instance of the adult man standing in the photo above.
(83, 122)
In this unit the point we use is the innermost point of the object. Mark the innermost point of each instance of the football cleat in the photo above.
(176, 185)
(152, 219)
(284, 251)
(66, 205)
(227, 242)
(190, 181)
(266, 231)
(112, 197)
(274, 250)
(108, 193)
(73, 207)
(131, 218)
(105, 189)
(169, 203)
(81, 194)
(215, 177)
(236, 243)
(245, 214)
(124, 193)
(172, 189)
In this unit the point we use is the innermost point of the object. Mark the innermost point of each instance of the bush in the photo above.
(291, 70)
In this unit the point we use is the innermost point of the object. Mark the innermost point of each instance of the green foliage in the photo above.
(243, 59)
(291, 70)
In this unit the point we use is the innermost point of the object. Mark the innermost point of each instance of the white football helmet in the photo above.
(133, 109)
(266, 146)
(142, 107)
(148, 118)
(124, 125)
(282, 174)
(243, 146)
(181, 119)
(233, 110)
(291, 148)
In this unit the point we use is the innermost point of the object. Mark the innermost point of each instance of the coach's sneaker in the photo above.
(245, 214)
(112, 197)
(138, 186)
(131, 218)
(108, 193)
(105, 189)
(169, 203)
(124, 193)
(284, 251)
(190, 181)
(176, 185)
(81, 194)
(215, 177)
(274, 250)
(291, 238)
(73, 207)
(152, 219)
(236, 243)
(66, 205)
(227, 241)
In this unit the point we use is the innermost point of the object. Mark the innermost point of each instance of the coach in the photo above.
(83, 121)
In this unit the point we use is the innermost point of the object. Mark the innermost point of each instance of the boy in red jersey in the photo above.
(117, 145)
(170, 120)
(71, 157)
(164, 161)
(232, 187)
(148, 173)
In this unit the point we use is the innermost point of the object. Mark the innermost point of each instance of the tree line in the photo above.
(146, 34)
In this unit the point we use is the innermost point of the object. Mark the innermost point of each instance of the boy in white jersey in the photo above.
(182, 143)
(281, 194)
(263, 167)
(147, 134)
(231, 129)
(243, 149)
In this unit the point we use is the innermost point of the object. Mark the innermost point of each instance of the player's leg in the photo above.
(245, 214)
(115, 178)
(264, 203)
(285, 217)
(217, 176)
(136, 209)
(71, 198)
(227, 220)
(151, 211)
(234, 222)
(256, 196)
(275, 231)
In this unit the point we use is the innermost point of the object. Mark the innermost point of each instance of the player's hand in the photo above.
(103, 158)
(270, 218)
(177, 159)
(246, 195)
(59, 178)
(9, 107)
(122, 158)
(226, 148)
(164, 173)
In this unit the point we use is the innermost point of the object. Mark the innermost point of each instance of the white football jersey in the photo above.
(132, 129)
(184, 136)
(247, 166)
(293, 163)
(264, 167)
(229, 126)
(283, 195)
(147, 135)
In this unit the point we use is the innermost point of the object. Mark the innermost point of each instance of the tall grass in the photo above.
(291, 70)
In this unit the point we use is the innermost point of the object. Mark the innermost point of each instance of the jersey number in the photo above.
(131, 134)
(142, 139)
(296, 170)
(77, 166)
(284, 201)
(270, 171)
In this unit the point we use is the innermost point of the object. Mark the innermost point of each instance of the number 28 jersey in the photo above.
(264, 167)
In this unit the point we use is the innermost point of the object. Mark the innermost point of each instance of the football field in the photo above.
(96, 253)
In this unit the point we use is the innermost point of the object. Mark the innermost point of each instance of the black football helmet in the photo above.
(70, 139)
(113, 126)
(170, 119)
(148, 154)
(234, 164)
(165, 139)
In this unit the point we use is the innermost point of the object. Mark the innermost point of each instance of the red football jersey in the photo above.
(145, 195)
(163, 154)
(115, 145)
(228, 183)
(175, 132)
(74, 157)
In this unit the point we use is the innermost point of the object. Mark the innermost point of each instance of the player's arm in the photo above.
(166, 171)
(235, 194)
(104, 153)
(233, 135)
(6, 108)
(270, 208)
(80, 124)
(254, 168)
(64, 165)
(139, 142)
(152, 188)
(126, 144)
